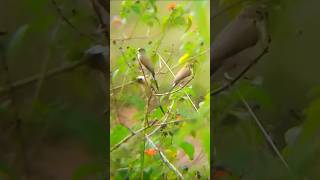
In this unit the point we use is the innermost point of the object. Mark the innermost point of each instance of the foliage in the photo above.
(172, 39)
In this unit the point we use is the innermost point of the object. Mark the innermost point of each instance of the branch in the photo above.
(172, 92)
(164, 159)
(164, 120)
(264, 132)
(133, 38)
(126, 84)
(65, 19)
(233, 81)
(134, 133)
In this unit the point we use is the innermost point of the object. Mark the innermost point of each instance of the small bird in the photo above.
(183, 73)
(146, 62)
(240, 34)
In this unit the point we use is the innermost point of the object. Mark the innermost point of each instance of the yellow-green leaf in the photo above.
(189, 23)
(183, 58)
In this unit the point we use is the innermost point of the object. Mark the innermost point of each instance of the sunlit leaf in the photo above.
(117, 134)
(183, 58)
(188, 149)
(189, 23)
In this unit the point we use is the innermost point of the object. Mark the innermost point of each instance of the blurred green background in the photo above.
(62, 130)
(283, 90)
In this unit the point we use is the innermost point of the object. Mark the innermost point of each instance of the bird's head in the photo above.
(141, 51)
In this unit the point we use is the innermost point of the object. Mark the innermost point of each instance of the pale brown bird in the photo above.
(183, 73)
(240, 34)
(146, 62)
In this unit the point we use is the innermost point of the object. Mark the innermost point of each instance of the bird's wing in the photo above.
(147, 63)
(183, 73)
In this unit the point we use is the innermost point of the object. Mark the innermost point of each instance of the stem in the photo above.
(45, 63)
(134, 133)
(165, 159)
(172, 92)
(264, 132)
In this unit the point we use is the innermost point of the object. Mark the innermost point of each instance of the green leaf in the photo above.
(189, 23)
(117, 134)
(179, 20)
(188, 47)
(136, 8)
(188, 149)
(115, 73)
(125, 9)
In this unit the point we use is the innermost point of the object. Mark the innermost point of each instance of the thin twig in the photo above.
(266, 135)
(45, 63)
(233, 81)
(134, 133)
(165, 159)
(164, 120)
(133, 38)
(175, 91)
(125, 84)
(65, 19)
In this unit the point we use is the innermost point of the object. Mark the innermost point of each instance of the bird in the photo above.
(183, 73)
(146, 62)
(244, 32)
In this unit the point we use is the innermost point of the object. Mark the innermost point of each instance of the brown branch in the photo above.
(233, 81)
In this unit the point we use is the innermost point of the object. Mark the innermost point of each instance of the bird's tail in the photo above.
(155, 80)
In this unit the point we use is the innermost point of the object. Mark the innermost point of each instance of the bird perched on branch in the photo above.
(244, 32)
(183, 73)
(146, 62)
